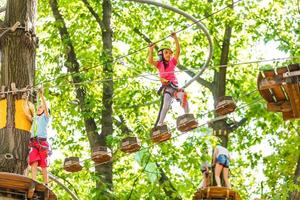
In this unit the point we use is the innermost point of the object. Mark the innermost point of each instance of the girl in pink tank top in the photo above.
(166, 65)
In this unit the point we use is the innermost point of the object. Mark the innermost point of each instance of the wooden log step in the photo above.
(186, 123)
(101, 154)
(31, 190)
(130, 144)
(216, 193)
(271, 82)
(160, 134)
(294, 67)
(72, 164)
(225, 105)
(288, 116)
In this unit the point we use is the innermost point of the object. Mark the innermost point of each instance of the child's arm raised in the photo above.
(177, 53)
(150, 58)
(44, 104)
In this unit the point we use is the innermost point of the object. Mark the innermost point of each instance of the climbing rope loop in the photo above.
(199, 25)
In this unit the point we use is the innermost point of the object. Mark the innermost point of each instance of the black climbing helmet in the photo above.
(160, 53)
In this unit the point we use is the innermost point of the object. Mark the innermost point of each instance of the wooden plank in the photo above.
(266, 94)
(277, 91)
(294, 67)
(291, 74)
(22, 184)
(270, 82)
(216, 192)
(288, 116)
(293, 92)
(282, 106)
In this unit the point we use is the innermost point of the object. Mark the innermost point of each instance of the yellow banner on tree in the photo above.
(3, 112)
(24, 114)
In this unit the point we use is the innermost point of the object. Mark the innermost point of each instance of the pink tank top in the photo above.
(168, 72)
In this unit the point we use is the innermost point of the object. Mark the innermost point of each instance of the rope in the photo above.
(172, 138)
(136, 179)
(100, 80)
(113, 160)
(137, 50)
(199, 25)
(145, 75)
(12, 29)
(14, 193)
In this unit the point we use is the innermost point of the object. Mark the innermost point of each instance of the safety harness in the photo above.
(178, 94)
(39, 139)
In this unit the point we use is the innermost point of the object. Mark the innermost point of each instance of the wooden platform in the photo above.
(217, 193)
(281, 89)
(18, 187)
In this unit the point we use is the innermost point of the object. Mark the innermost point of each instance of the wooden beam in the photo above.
(216, 193)
(288, 116)
(22, 184)
(270, 82)
(282, 106)
(291, 74)
(293, 91)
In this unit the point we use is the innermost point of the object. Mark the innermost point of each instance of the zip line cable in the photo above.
(100, 80)
(142, 48)
(180, 71)
(145, 75)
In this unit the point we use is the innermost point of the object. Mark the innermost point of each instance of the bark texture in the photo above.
(17, 66)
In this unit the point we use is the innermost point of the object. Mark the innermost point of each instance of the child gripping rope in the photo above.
(166, 65)
(38, 156)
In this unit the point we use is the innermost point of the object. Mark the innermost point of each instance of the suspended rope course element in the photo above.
(198, 22)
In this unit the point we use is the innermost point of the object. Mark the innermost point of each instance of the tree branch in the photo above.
(73, 66)
(137, 178)
(122, 124)
(165, 182)
(200, 80)
(2, 9)
(237, 125)
(137, 31)
(93, 12)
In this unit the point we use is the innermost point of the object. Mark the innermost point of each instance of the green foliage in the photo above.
(136, 100)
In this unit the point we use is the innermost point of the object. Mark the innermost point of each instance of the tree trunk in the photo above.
(296, 194)
(105, 170)
(17, 66)
(107, 99)
(220, 82)
(220, 88)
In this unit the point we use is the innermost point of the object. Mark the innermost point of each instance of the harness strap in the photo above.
(166, 92)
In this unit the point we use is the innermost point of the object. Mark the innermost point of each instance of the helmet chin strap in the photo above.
(41, 113)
